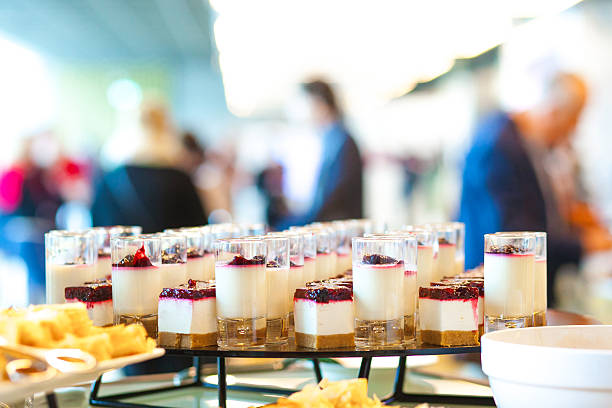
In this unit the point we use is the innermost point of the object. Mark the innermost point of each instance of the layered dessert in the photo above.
(136, 287)
(241, 299)
(509, 282)
(310, 269)
(540, 292)
(448, 315)
(173, 269)
(59, 277)
(324, 316)
(296, 280)
(187, 315)
(278, 302)
(378, 287)
(97, 297)
(446, 258)
(473, 282)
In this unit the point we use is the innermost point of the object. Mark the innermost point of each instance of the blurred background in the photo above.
(213, 89)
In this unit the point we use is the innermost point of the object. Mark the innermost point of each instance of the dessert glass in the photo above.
(173, 266)
(310, 256)
(279, 300)
(540, 302)
(344, 259)
(425, 253)
(509, 262)
(240, 270)
(446, 244)
(70, 260)
(378, 290)
(137, 280)
(198, 265)
(103, 236)
(325, 265)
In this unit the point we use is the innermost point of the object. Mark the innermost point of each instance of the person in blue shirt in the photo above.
(505, 185)
(339, 188)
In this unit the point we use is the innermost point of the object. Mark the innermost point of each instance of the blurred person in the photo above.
(505, 185)
(30, 195)
(339, 189)
(149, 190)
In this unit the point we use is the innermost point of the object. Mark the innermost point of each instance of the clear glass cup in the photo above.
(325, 265)
(103, 237)
(378, 290)
(460, 251)
(344, 235)
(240, 271)
(279, 299)
(173, 259)
(137, 280)
(296, 265)
(198, 264)
(425, 253)
(445, 248)
(509, 263)
(70, 260)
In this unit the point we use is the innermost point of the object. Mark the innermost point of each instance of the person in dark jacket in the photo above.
(506, 188)
(339, 189)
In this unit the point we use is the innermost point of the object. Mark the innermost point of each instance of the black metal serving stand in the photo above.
(291, 351)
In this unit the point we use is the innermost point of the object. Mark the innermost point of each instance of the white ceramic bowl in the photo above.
(554, 366)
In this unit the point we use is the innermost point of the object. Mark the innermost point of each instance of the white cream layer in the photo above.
(241, 291)
(59, 277)
(103, 267)
(100, 313)
(173, 275)
(443, 315)
(540, 302)
(197, 268)
(344, 262)
(424, 265)
(410, 292)
(277, 297)
(446, 261)
(296, 280)
(378, 291)
(324, 319)
(187, 316)
(509, 285)
(324, 266)
(135, 290)
(310, 270)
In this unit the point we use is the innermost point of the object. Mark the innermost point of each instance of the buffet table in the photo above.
(290, 351)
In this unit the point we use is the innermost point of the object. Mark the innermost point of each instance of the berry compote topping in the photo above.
(98, 291)
(444, 241)
(324, 293)
(200, 290)
(138, 260)
(377, 259)
(242, 261)
(449, 292)
(104, 253)
(194, 253)
(505, 249)
(171, 258)
(462, 282)
(293, 264)
(272, 264)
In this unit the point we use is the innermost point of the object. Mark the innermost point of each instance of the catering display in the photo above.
(294, 294)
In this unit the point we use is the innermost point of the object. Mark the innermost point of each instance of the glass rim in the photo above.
(139, 237)
(375, 239)
(537, 234)
(71, 233)
(510, 235)
(241, 240)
